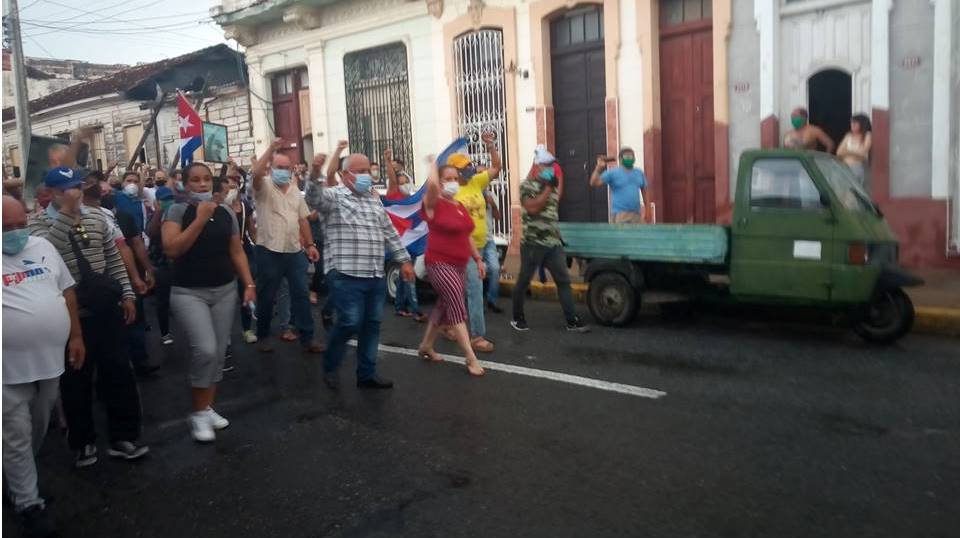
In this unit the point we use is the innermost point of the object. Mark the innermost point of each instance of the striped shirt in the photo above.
(100, 250)
(356, 233)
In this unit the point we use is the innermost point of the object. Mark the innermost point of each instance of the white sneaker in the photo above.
(200, 427)
(166, 339)
(250, 337)
(216, 421)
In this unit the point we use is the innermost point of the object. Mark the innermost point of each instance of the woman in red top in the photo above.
(449, 248)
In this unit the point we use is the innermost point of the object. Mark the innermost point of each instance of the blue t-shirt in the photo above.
(625, 188)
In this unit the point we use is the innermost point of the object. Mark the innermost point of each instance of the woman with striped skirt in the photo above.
(449, 248)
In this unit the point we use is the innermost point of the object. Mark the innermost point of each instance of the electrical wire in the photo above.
(44, 49)
(113, 16)
(193, 14)
(113, 31)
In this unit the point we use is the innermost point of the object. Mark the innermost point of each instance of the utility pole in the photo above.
(19, 86)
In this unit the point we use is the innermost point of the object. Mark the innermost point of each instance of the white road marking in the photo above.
(598, 384)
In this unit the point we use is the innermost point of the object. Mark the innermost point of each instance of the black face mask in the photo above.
(106, 201)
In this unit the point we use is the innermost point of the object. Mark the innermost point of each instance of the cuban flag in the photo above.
(405, 213)
(191, 130)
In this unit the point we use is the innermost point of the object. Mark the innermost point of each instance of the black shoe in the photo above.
(147, 372)
(36, 522)
(128, 450)
(229, 353)
(86, 456)
(228, 365)
(492, 306)
(332, 380)
(520, 324)
(376, 382)
(577, 326)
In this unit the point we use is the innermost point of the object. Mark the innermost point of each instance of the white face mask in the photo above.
(451, 188)
(131, 190)
(407, 189)
(231, 197)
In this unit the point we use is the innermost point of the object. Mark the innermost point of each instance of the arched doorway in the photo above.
(830, 102)
(579, 93)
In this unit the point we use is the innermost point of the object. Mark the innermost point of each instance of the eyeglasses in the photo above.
(82, 232)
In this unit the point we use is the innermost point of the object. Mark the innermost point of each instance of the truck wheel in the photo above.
(888, 317)
(612, 300)
(392, 274)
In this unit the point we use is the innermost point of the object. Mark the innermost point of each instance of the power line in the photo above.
(192, 14)
(114, 16)
(115, 31)
(37, 43)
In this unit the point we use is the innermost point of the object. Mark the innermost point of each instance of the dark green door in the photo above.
(782, 235)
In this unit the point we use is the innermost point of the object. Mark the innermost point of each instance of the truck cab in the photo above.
(805, 232)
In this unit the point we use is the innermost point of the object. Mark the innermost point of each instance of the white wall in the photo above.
(523, 109)
(815, 40)
(630, 77)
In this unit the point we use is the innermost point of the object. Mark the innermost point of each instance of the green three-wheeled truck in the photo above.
(803, 233)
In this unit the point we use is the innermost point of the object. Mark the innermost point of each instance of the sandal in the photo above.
(474, 368)
(420, 317)
(481, 345)
(429, 355)
(288, 336)
(404, 314)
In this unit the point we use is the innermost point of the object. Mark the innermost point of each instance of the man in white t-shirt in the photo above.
(40, 320)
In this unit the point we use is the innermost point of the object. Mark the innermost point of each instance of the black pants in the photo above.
(137, 337)
(554, 260)
(161, 292)
(108, 366)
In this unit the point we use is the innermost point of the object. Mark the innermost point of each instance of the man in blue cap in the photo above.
(82, 237)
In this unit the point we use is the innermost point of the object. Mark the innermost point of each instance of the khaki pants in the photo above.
(626, 217)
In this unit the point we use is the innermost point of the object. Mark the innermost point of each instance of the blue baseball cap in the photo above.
(63, 178)
(164, 193)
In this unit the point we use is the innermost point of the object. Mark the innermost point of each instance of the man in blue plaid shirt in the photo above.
(357, 231)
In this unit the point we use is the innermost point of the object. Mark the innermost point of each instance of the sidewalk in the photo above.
(937, 302)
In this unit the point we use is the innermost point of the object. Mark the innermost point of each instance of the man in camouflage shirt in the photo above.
(540, 244)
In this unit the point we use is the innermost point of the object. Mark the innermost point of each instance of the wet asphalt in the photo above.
(767, 429)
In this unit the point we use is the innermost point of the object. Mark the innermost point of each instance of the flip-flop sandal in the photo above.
(420, 318)
(288, 336)
(481, 345)
(404, 314)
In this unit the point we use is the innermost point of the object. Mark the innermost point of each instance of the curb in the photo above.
(928, 320)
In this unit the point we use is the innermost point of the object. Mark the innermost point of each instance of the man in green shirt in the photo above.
(540, 243)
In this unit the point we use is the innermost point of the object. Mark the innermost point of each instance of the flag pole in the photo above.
(196, 106)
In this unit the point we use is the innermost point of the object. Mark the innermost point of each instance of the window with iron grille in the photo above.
(481, 107)
(378, 103)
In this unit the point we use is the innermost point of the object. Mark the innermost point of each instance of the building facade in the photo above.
(119, 109)
(689, 84)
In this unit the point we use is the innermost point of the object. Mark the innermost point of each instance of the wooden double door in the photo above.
(686, 97)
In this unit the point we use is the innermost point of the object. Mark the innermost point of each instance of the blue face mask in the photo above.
(280, 177)
(15, 241)
(201, 196)
(547, 173)
(362, 183)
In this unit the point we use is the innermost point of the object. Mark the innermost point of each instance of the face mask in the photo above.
(628, 162)
(201, 196)
(407, 189)
(798, 121)
(362, 183)
(231, 197)
(451, 188)
(280, 176)
(375, 174)
(106, 202)
(15, 241)
(547, 173)
(468, 172)
(131, 190)
(165, 205)
(180, 187)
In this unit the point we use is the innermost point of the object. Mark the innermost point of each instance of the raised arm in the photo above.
(494, 208)
(334, 163)
(260, 165)
(495, 163)
(433, 191)
(595, 179)
(534, 204)
(393, 186)
(177, 240)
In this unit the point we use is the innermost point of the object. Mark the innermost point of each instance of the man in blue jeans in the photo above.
(356, 235)
(491, 258)
(284, 247)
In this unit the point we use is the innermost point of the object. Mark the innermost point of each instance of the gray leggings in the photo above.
(206, 317)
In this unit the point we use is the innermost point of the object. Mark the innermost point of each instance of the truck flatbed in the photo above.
(670, 243)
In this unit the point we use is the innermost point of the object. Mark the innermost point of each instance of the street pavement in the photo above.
(723, 425)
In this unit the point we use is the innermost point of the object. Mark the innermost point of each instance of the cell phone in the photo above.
(610, 159)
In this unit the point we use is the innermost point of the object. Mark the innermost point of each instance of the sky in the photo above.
(116, 31)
